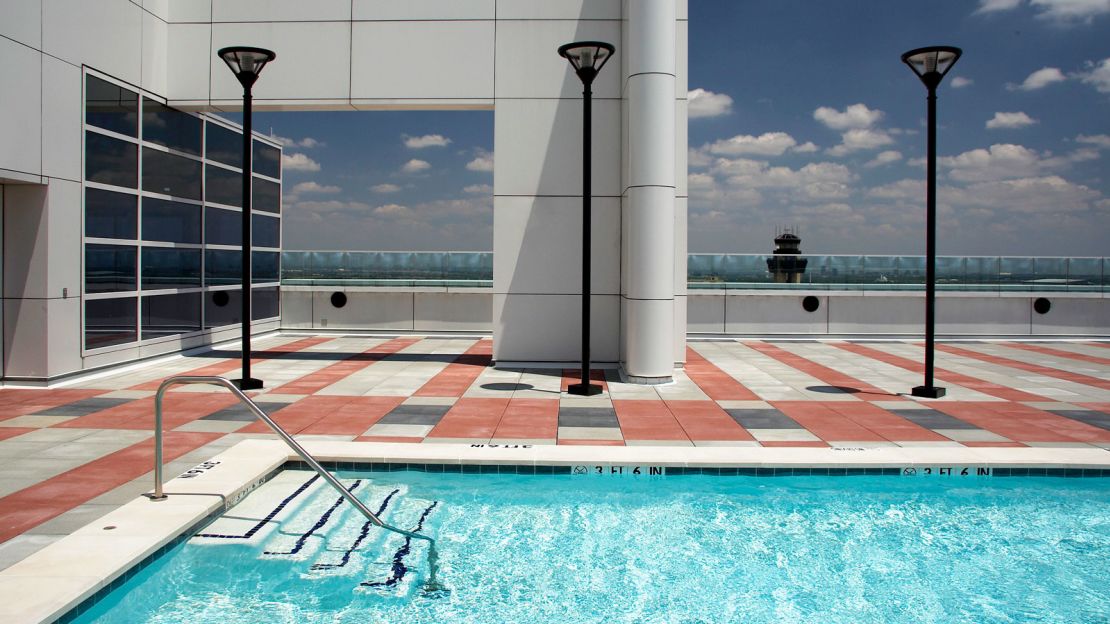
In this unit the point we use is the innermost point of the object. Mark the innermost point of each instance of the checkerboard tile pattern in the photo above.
(68, 453)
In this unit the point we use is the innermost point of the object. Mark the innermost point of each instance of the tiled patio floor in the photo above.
(71, 454)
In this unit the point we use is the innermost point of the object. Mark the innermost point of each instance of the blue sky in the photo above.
(801, 115)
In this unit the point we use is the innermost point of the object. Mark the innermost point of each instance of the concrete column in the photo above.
(649, 193)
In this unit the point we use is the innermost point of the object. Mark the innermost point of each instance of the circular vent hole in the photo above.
(338, 299)
(1042, 305)
(811, 303)
(220, 298)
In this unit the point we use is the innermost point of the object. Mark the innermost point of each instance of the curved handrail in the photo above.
(159, 494)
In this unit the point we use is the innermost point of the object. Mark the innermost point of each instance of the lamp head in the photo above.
(246, 62)
(587, 57)
(932, 63)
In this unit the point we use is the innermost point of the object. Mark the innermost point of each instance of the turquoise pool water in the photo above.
(675, 549)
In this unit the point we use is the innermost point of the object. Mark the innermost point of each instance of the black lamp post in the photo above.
(931, 64)
(587, 59)
(246, 63)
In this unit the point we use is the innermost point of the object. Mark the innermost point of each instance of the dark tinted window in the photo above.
(223, 307)
(109, 268)
(170, 174)
(265, 231)
(223, 145)
(110, 215)
(167, 315)
(111, 161)
(222, 268)
(172, 222)
(109, 322)
(266, 160)
(266, 196)
(170, 268)
(170, 127)
(265, 303)
(223, 186)
(110, 107)
(223, 227)
(264, 266)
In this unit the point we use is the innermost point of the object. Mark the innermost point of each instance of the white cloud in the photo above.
(385, 188)
(805, 148)
(1097, 75)
(884, 158)
(415, 166)
(822, 181)
(853, 117)
(959, 82)
(328, 207)
(906, 190)
(766, 144)
(1071, 10)
(1049, 195)
(306, 143)
(860, 139)
(393, 211)
(1010, 120)
(1006, 161)
(703, 103)
(312, 187)
(428, 140)
(483, 162)
(991, 6)
(298, 162)
(1098, 140)
(1039, 79)
(478, 189)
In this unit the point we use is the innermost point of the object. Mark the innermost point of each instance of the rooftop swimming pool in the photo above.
(695, 548)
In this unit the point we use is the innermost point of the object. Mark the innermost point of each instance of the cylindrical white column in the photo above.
(650, 193)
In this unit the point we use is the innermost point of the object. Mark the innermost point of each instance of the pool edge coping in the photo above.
(95, 560)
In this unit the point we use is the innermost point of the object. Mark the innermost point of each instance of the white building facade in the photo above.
(117, 221)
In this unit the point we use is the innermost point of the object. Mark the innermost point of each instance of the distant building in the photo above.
(787, 265)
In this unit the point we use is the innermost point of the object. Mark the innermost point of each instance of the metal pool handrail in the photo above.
(433, 556)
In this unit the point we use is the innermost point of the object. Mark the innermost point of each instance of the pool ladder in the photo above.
(159, 494)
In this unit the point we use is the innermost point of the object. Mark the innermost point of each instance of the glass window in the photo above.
(109, 268)
(111, 161)
(265, 231)
(170, 174)
(167, 315)
(223, 186)
(110, 107)
(222, 267)
(266, 159)
(223, 145)
(165, 267)
(170, 127)
(264, 266)
(265, 303)
(110, 215)
(109, 322)
(171, 222)
(223, 307)
(266, 196)
(223, 227)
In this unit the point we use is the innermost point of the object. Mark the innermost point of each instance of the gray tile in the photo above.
(241, 413)
(84, 407)
(71, 520)
(932, 419)
(588, 417)
(20, 547)
(763, 419)
(406, 414)
(1090, 417)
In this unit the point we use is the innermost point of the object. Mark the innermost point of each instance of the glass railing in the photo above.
(718, 271)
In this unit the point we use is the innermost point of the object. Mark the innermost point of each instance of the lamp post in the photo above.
(587, 58)
(246, 63)
(930, 65)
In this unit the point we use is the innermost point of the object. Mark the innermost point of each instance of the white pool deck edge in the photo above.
(51, 582)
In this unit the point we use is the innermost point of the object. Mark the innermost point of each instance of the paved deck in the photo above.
(71, 454)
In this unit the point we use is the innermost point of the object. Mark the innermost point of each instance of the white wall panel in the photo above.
(280, 10)
(982, 315)
(25, 333)
(453, 311)
(407, 60)
(105, 35)
(682, 70)
(529, 65)
(159, 8)
(563, 9)
(779, 314)
(63, 237)
(155, 53)
(680, 245)
(296, 308)
(23, 22)
(705, 313)
(188, 67)
(651, 242)
(64, 335)
(21, 101)
(62, 108)
(875, 315)
(649, 344)
(538, 243)
(191, 11)
(375, 10)
(680, 322)
(364, 310)
(1087, 316)
(538, 144)
(27, 242)
(549, 328)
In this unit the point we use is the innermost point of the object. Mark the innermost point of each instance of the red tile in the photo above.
(22, 401)
(471, 418)
(1021, 423)
(1086, 380)
(787, 443)
(1060, 353)
(826, 423)
(648, 420)
(1098, 407)
(178, 408)
(823, 373)
(993, 444)
(527, 419)
(354, 362)
(714, 382)
(402, 439)
(565, 442)
(11, 432)
(457, 377)
(353, 417)
(705, 420)
(574, 375)
(890, 426)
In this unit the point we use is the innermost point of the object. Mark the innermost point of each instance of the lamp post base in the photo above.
(582, 389)
(250, 383)
(928, 392)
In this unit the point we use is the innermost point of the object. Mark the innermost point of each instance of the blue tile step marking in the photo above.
(399, 567)
(270, 516)
(346, 558)
(320, 522)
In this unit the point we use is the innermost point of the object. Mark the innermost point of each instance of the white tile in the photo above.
(390, 10)
(590, 433)
(77, 31)
(413, 431)
(529, 66)
(20, 99)
(783, 435)
(533, 233)
(530, 328)
(971, 435)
